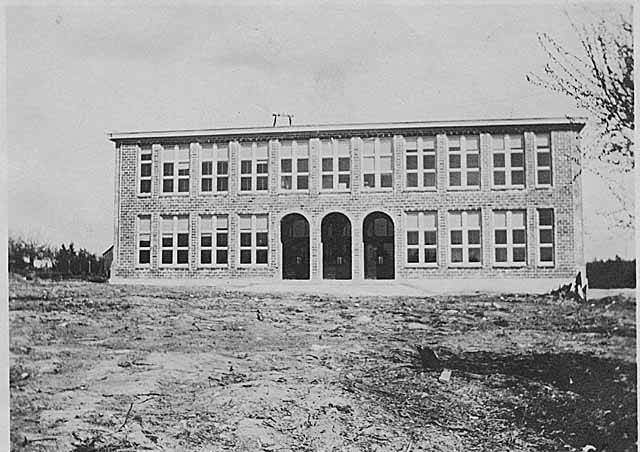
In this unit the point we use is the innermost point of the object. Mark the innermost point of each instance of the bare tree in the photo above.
(600, 79)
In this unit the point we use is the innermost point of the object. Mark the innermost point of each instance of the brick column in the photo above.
(194, 170)
(315, 246)
(443, 238)
(315, 156)
(116, 202)
(356, 172)
(532, 238)
(156, 171)
(486, 232)
(486, 163)
(529, 161)
(441, 163)
(273, 157)
(398, 166)
(234, 241)
(234, 168)
(155, 241)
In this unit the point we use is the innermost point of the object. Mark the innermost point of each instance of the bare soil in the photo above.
(96, 367)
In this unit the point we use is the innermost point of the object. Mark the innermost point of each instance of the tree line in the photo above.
(27, 257)
(612, 274)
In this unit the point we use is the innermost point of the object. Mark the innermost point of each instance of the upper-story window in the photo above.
(336, 165)
(422, 237)
(543, 159)
(464, 161)
(144, 170)
(510, 237)
(214, 240)
(175, 168)
(144, 240)
(254, 167)
(294, 165)
(214, 167)
(175, 240)
(420, 162)
(377, 165)
(465, 238)
(508, 160)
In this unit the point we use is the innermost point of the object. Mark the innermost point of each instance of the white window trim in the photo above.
(537, 167)
(139, 177)
(377, 173)
(138, 248)
(214, 170)
(175, 248)
(254, 169)
(421, 245)
(254, 241)
(463, 165)
(539, 245)
(294, 168)
(507, 151)
(465, 241)
(175, 176)
(509, 245)
(421, 152)
(335, 156)
(214, 242)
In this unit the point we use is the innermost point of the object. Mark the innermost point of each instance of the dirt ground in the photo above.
(97, 367)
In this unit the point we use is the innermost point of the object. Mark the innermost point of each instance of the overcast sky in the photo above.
(76, 73)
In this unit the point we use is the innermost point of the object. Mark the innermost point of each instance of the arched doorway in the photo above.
(378, 246)
(294, 234)
(336, 246)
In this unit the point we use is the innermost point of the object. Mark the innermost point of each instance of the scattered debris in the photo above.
(445, 376)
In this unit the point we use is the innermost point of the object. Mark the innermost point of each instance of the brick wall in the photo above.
(564, 196)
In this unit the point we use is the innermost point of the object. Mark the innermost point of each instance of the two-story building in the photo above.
(485, 199)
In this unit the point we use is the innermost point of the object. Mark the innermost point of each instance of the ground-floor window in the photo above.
(254, 239)
(175, 240)
(214, 240)
(545, 237)
(422, 237)
(144, 239)
(465, 238)
(510, 237)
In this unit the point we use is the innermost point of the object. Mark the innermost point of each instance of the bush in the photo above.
(612, 274)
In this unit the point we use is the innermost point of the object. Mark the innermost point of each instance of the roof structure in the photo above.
(378, 128)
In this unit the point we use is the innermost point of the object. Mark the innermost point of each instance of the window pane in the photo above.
(221, 239)
(546, 254)
(223, 168)
(144, 256)
(145, 170)
(245, 167)
(145, 243)
(497, 142)
(262, 238)
(327, 164)
(517, 219)
(542, 140)
(472, 161)
(167, 256)
(168, 169)
(546, 236)
(207, 168)
(412, 221)
(456, 237)
(429, 161)
(412, 179)
(517, 177)
(456, 255)
(500, 220)
(221, 256)
(245, 239)
(498, 160)
(245, 256)
(546, 217)
(501, 237)
(544, 177)
(343, 181)
(473, 178)
(474, 237)
(385, 164)
(261, 222)
(222, 184)
(412, 162)
(429, 179)
(303, 165)
(413, 255)
(327, 181)
(455, 220)
(430, 237)
(454, 161)
(430, 220)
(167, 242)
(205, 256)
(285, 182)
(430, 256)
(499, 178)
(167, 185)
(412, 237)
(183, 185)
(145, 186)
(261, 256)
(519, 254)
(516, 141)
(344, 164)
(454, 179)
(474, 254)
(517, 160)
(368, 164)
(285, 165)
(369, 180)
(471, 142)
(473, 220)
(262, 168)
(303, 182)
(206, 240)
(501, 255)
(207, 185)
(544, 159)
(262, 183)
(386, 180)
(183, 240)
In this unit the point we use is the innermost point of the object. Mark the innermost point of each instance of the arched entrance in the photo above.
(294, 234)
(336, 246)
(378, 246)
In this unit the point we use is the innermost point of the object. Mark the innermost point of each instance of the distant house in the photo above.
(107, 257)
(45, 262)
(485, 199)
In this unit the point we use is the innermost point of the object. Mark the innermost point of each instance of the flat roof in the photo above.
(566, 122)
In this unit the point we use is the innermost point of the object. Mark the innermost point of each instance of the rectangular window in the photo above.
(254, 167)
(294, 165)
(510, 237)
(254, 239)
(214, 240)
(175, 240)
(420, 162)
(377, 165)
(464, 161)
(144, 240)
(422, 238)
(543, 159)
(175, 168)
(144, 170)
(214, 168)
(508, 161)
(546, 238)
(465, 238)
(335, 168)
